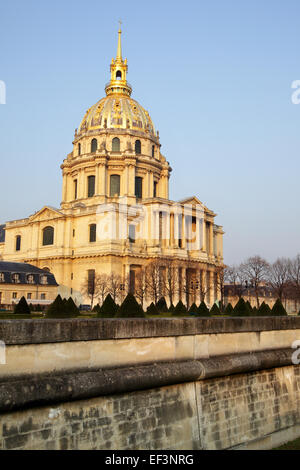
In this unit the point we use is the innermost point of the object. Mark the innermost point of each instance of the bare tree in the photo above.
(153, 280)
(294, 271)
(278, 276)
(115, 282)
(140, 286)
(171, 279)
(255, 270)
(220, 281)
(103, 287)
(91, 286)
(235, 276)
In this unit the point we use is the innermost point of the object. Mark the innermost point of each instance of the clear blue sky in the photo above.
(215, 76)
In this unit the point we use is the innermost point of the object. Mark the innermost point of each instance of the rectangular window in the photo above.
(43, 296)
(14, 295)
(138, 187)
(18, 243)
(75, 189)
(29, 296)
(131, 234)
(93, 233)
(154, 189)
(91, 186)
(114, 185)
(91, 281)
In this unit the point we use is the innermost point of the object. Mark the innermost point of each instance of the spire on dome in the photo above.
(119, 51)
(118, 70)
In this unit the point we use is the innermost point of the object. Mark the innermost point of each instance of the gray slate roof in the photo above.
(23, 269)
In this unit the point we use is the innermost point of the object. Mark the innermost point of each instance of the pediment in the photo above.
(46, 213)
(193, 200)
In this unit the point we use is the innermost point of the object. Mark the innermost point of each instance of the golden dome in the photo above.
(117, 110)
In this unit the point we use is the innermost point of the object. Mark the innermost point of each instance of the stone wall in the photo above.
(240, 389)
(255, 410)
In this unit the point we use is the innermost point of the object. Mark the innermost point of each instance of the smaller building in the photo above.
(233, 292)
(38, 286)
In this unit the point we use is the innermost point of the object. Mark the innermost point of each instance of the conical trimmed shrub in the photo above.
(241, 309)
(162, 305)
(249, 306)
(193, 309)
(264, 310)
(71, 307)
(215, 310)
(229, 309)
(179, 310)
(57, 309)
(130, 308)
(278, 309)
(108, 309)
(171, 308)
(22, 307)
(254, 312)
(152, 309)
(203, 310)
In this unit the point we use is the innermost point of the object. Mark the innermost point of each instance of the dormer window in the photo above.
(30, 279)
(15, 278)
(44, 279)
(2, 277)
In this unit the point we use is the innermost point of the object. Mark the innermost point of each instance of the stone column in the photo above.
(176, 231)
(151, 184)
(203, 232)
(211, 239)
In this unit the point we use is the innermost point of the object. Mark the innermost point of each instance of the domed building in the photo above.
(116, 218)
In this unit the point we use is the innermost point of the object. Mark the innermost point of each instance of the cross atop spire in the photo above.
(118, 70)
(119, 51)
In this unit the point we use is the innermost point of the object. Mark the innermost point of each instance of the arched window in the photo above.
(48, 236)
(116, 144)
(18, 242)
(138, 187)
(93, 228)
(114, 185)
(119, 75)
(94, 145)
(153, 151)
(91, 186)
(155, 189)
(138, 147)
(79, 149)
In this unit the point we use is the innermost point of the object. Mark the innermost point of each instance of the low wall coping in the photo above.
(41, 390)
(37, 331)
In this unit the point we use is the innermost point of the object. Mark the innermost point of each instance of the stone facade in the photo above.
(115, 214)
